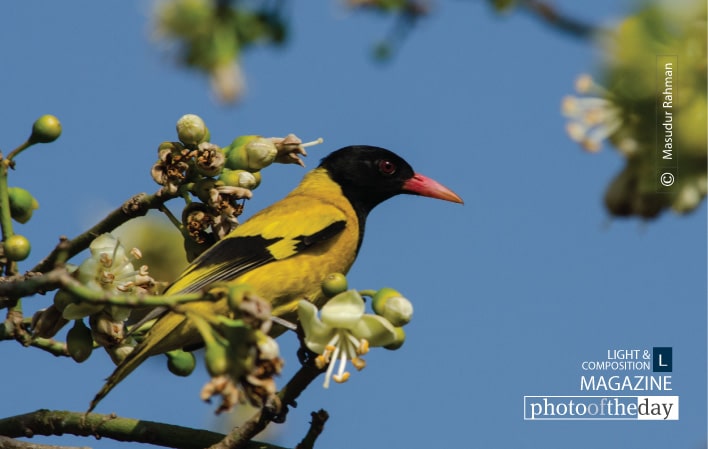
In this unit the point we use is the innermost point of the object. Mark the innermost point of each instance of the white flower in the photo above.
(344, 332)
(109, 269)
(595, 118)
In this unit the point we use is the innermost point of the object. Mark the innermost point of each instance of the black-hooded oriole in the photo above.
(285, 251)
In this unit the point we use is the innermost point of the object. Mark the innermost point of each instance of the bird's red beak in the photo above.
(424, 186)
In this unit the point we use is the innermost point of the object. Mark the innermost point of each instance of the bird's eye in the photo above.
(387, 167)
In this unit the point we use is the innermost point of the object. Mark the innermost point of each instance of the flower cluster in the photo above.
(344, 332)
(220, 178)
(109, 269)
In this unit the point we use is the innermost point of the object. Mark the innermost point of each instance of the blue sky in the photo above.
(512, 291)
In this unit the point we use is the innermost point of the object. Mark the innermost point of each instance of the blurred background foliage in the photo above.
(618, 108)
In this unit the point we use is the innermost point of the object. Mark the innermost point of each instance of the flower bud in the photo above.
(181, 363)
(17, 248)
(391, 305)
(22, 204)
(45, 129)
(79, 342)
(191, 129)
(250, 153)
(334, 284)
(240, 178)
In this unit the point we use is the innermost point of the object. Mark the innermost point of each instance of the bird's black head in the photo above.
(370, 175)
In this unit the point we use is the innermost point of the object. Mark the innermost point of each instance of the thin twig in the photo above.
(319, 418)
(559, 21)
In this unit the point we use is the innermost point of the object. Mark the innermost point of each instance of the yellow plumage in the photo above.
(285, 251)
(317, 204)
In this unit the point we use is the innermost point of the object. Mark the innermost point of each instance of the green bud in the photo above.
(216, 358)
(397, 310)
(334, 284)
(17, 248)
(400, 339)
(180, 363)
(191, 129)
(79, 342)
(240, 178)
(22, 204)
(378, 302)
(45, 129)
(250, 153)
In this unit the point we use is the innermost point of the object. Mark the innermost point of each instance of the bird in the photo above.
(286, 250)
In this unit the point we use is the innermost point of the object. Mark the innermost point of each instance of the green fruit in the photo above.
(22, 204)
(45, 129)
(17, 248)
(79, 342)
(334, 284)
(180, 363)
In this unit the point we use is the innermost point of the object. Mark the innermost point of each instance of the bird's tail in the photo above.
(154, 343)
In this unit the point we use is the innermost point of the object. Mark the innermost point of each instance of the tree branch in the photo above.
(9, 443)
(55, 422)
